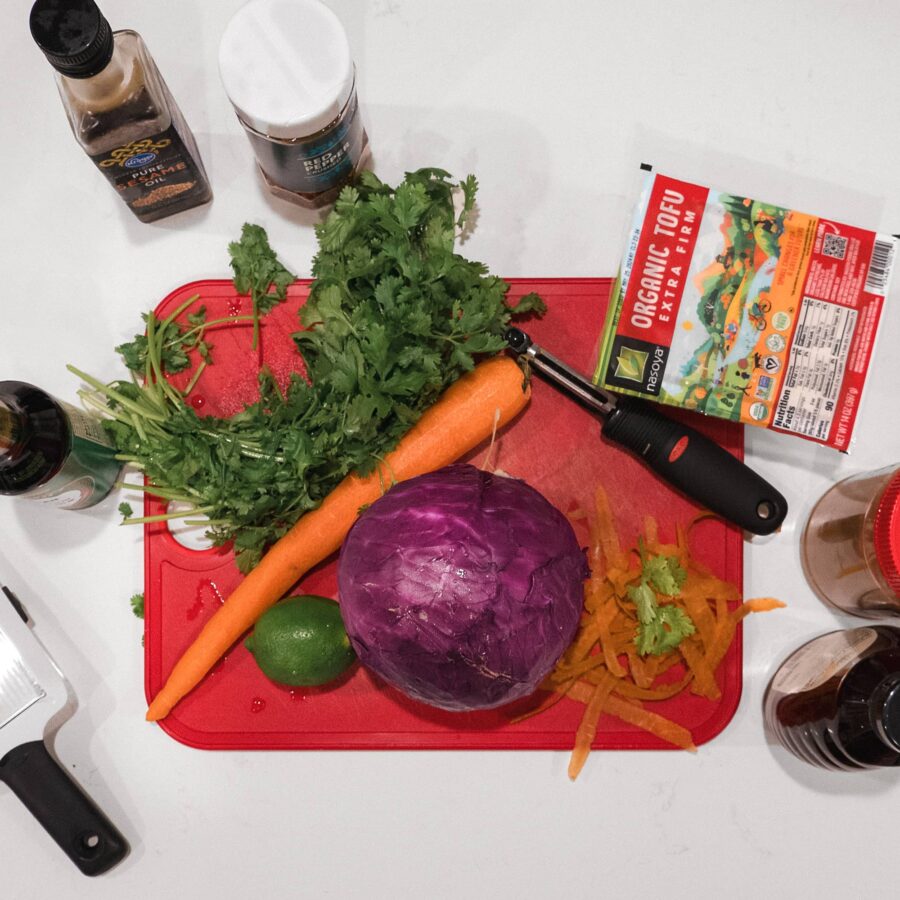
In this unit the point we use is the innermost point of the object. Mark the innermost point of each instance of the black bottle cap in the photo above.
(74, 35)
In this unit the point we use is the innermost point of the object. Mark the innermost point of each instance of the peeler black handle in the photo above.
(71, 818)
(697, 466)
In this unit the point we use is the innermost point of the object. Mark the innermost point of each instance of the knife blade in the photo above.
(18, 688)
(684, 457)
(32, 693)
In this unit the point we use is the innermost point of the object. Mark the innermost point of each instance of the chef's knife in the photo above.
(32, 692)
(682, 456)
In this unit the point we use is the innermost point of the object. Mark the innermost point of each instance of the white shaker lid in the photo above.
(286, 66)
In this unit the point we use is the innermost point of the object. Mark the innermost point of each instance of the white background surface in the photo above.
(552, 106)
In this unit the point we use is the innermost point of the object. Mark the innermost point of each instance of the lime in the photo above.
(302, 641)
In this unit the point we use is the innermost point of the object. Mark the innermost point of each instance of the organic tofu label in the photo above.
(746, 310)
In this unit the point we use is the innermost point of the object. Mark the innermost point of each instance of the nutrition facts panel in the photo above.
(818, 357)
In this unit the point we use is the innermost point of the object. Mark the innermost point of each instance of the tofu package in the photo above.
(745, 310)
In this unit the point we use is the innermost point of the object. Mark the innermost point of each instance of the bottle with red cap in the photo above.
(851, 545)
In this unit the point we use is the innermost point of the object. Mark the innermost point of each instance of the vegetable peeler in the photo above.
(678, 453)
(32, 692)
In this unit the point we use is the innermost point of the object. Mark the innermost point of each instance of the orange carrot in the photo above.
(466, 414)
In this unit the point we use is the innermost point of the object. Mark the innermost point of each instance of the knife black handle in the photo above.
(696, 465)
(70, 817)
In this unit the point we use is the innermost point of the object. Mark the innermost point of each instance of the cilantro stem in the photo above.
(148, 388)
(153, 353)
(195, 377)
(225, 320)
(166, 517)
(138, 425)
(245, 448)
(88, 398)
(113, 394)
(157, 491)
(255, 342)
(174, 315)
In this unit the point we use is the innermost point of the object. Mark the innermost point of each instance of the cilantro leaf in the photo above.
(137, 605)
(665, 574)
(661, 627)
(665, 632)
(258, 272)
(172, 353)
(644, 600)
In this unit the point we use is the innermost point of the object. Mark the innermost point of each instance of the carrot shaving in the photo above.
(704, 679)
(653, 722)
(651, 530)
(662, 692)
(607, 646)
(607, 671)
(587, 730)
(724, 637)
(608, 536)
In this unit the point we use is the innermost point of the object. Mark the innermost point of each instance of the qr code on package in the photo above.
(834, 246)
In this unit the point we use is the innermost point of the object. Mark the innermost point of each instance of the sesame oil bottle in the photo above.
(120, 110)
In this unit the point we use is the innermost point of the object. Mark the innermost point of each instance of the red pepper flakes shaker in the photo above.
(851, 545)
(287, 69)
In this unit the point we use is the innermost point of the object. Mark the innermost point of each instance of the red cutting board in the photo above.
(554, 445)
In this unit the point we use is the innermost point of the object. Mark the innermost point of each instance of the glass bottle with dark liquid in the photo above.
(120, 110)
(51, 451)
(835, 702)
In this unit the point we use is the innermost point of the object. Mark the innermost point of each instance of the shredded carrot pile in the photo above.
(602, 668)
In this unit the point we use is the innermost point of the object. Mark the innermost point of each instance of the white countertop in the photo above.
(552, 106)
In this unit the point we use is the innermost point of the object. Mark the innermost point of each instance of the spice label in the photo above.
(152, 172)
(822, 659)
(85, 426)
(745, 310)
(318, 163)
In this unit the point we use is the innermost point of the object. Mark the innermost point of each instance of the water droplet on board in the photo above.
(194, 609)
(207, 591)
(218, 666)
(234, 307)
(297, 695)
(198, 402)
(257, 705)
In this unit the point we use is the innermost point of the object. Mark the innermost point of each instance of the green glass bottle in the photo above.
(51, 451)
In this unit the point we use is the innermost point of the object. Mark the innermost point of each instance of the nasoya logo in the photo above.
(630, 364)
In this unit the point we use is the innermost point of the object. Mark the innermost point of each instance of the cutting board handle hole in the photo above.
(191, 537)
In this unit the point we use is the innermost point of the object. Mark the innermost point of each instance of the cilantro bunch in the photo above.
(661, 626)
(394, 316)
